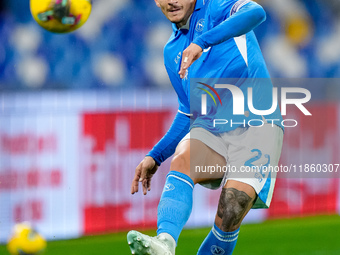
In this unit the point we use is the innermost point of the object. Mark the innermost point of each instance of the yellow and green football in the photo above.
(61, 16)
(25, 240)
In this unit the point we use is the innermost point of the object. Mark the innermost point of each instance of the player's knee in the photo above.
(232, 207)
(180, 163)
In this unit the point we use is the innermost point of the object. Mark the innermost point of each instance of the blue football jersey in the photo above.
(178, 42)
(237, 61)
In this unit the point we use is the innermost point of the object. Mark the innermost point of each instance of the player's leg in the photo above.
(193, 152)
(236, 200)
(244, 191)
(175, 204)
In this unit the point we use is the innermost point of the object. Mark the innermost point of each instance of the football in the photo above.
(60, 16)
(25, 240)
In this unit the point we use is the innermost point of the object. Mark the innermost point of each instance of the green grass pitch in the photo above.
(301, 236)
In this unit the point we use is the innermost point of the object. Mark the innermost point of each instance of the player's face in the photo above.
(177, 11)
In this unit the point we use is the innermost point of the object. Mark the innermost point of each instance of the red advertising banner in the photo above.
(38, 180)
(114, 144)
(314, 141)
(69, 173)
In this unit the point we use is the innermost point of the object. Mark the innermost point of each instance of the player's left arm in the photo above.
(160, 152)
(242, 21)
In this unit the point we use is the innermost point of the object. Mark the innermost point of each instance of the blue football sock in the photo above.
(219, 242)
(175, 205)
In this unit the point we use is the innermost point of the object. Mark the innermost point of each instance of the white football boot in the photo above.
(141, 244)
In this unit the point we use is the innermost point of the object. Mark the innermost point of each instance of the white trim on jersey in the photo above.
(186, 114)
(238, 5)
(241, 43)
(270, 193)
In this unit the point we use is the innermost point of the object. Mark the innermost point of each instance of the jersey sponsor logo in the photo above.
(169, 187)
(177, 59)
(200, 25)
(216, 250)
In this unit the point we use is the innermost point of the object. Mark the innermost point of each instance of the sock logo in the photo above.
(216, 250)
(169, 187)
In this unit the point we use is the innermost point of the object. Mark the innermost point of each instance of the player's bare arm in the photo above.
(161, 151)
(190, 55)
(144, 172)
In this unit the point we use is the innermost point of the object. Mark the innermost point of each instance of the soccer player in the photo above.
(212, 40)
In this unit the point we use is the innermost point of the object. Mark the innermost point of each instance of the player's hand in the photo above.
(144, 172)
(190, 55)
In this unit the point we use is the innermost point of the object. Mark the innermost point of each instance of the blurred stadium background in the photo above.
(79, 111)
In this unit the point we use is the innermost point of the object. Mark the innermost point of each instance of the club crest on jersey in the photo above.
(200, 25)
(169, 187)
(216, 250)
